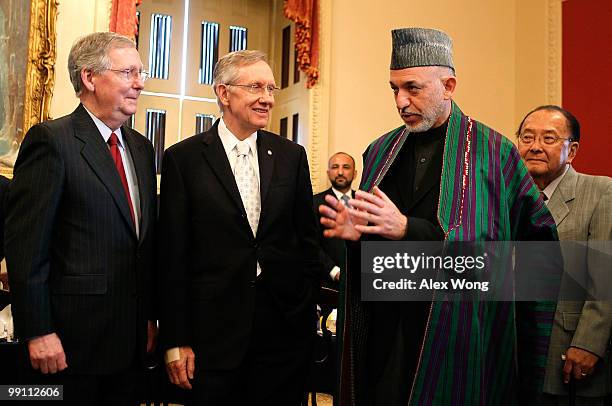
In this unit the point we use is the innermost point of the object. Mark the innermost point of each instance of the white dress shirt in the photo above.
(552, 186)
(229, 142)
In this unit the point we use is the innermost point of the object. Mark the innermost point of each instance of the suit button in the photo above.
(255, 245)
(252, 283)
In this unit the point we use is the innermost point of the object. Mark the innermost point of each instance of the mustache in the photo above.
(404, 110)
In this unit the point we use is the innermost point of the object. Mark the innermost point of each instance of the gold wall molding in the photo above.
(314, 146)
(41, 62)
(554, 58)
(319, 104)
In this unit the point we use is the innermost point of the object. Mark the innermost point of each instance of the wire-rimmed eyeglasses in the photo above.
(258, 89)
(547, 139)
(132, 74)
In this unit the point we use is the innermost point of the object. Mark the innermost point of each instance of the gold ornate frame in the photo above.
(40, 71)
(40, 75)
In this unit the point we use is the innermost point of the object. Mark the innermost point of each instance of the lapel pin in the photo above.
(269, 152)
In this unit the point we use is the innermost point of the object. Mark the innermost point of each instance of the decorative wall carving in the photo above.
(554, 38)
(41, 61)
(38, 72)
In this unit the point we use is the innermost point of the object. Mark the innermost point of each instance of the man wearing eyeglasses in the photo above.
(79, 232)
(548, 140)
(238, 250)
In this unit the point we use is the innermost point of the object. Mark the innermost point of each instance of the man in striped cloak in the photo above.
(445, 176)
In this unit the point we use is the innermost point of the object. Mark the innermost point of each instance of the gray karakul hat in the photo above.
(420, 47)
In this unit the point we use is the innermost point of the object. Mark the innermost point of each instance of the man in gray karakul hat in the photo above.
(445, 176)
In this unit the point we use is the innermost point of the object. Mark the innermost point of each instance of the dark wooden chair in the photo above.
(323, 369)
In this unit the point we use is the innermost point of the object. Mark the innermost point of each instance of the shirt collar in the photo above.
(229, 140)
(104, 130)
(552, 186)
(339, 194)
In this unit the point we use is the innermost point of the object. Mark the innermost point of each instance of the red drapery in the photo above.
(123, 17)
(305, 14)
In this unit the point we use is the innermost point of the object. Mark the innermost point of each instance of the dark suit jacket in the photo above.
(208, 252)
(333, 250)
(76, 266)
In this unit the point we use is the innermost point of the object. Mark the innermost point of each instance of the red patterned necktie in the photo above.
(113, 142)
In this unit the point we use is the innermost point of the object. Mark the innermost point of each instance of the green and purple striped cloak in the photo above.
(473, 353)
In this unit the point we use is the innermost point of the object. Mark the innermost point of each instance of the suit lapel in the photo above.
(562, 197)
(265, 156)
(216, 157)
(137, 152)
(95, 153)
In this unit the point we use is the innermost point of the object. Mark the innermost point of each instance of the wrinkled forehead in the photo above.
(546, 121)
(127, 57)
(414, 74)
(258, 72)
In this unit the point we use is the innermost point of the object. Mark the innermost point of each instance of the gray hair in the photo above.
(91, 52)
(226, 69)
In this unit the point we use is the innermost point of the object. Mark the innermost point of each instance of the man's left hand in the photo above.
(151, 336)
(579, 363)
(382, 215)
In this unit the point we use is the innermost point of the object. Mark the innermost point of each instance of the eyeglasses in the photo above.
(132, 74)
(547, 139)
(258, 89)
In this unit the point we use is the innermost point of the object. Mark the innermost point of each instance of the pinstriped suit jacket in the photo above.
(582, 208)
(76, 266)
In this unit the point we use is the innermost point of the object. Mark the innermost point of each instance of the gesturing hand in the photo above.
(378, 215)
(338, 221)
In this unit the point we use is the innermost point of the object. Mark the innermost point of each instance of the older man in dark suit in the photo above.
(79, 231)
(238, 250)
(341, 172)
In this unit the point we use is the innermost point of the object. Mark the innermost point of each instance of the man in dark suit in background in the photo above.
(79, 232)
(238, 250)
(341, 172)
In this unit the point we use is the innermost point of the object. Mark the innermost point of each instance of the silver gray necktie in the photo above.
(345, 200)
(248, 186)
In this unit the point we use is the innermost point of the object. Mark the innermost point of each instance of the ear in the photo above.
(87, 79)
(449, 83)
(223, 94)
(573, 151)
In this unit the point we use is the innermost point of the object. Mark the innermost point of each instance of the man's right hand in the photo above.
(181, 370)
(337, 220)
(47, 354)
